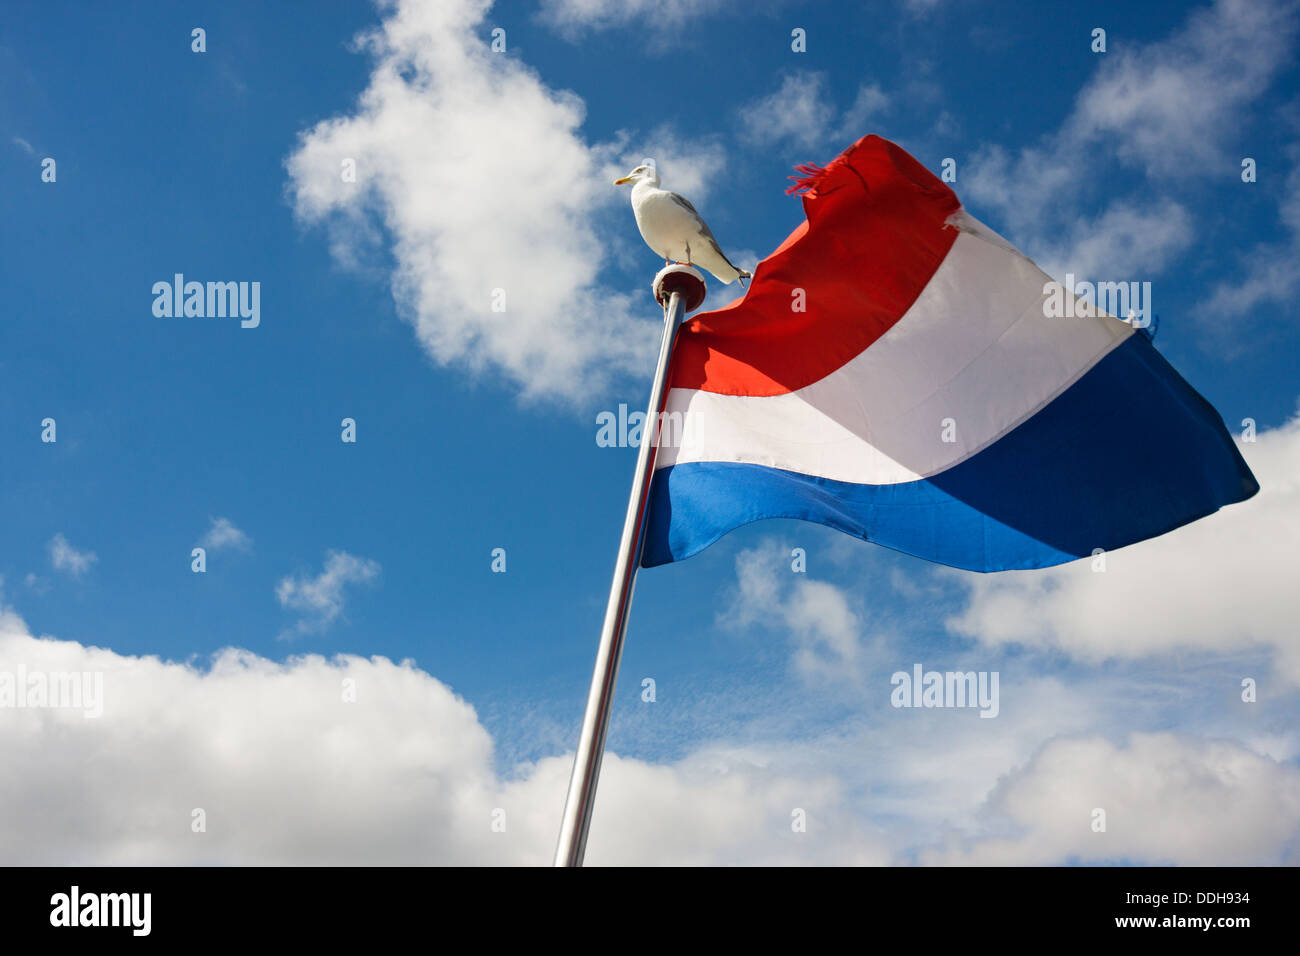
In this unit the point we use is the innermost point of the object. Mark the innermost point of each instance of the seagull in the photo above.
(671, 227)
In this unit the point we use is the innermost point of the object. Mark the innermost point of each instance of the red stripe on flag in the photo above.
(874, 236)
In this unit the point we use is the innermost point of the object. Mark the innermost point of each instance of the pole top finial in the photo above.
(683, 279)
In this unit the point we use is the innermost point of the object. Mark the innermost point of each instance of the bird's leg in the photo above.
(688, 253)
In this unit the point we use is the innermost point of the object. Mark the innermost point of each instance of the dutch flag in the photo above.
(895, 372)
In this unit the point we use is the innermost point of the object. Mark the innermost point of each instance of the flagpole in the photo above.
(680, 289)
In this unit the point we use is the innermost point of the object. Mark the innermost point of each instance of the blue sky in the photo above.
(479, 170)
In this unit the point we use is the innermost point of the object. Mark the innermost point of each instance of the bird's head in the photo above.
(646, 172)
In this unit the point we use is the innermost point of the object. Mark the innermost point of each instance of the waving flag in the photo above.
(893, 372)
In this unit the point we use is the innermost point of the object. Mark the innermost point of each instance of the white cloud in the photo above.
(818, 616)
(1223, 584)
(477, 173)
(1172, 107)
(223, 534)
(801, 112)
(573, 18)
(1168, 109)
(64, 557)
(870, 102)
(320, 598)
(1166, 799)
(287, 772)
(1031, 193)
(1272, 273)
(1125, 240)
(798, 111)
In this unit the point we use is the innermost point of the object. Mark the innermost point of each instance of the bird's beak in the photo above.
(620, 182)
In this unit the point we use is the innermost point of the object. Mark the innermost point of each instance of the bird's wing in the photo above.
(683, 201)
(686, 204)
(722, 255)
(706, 232)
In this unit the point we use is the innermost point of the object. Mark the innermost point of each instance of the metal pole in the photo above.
(595, 721)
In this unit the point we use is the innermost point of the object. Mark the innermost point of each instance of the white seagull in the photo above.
(671, 227)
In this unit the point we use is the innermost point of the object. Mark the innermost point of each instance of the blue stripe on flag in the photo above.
(1128, 452)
